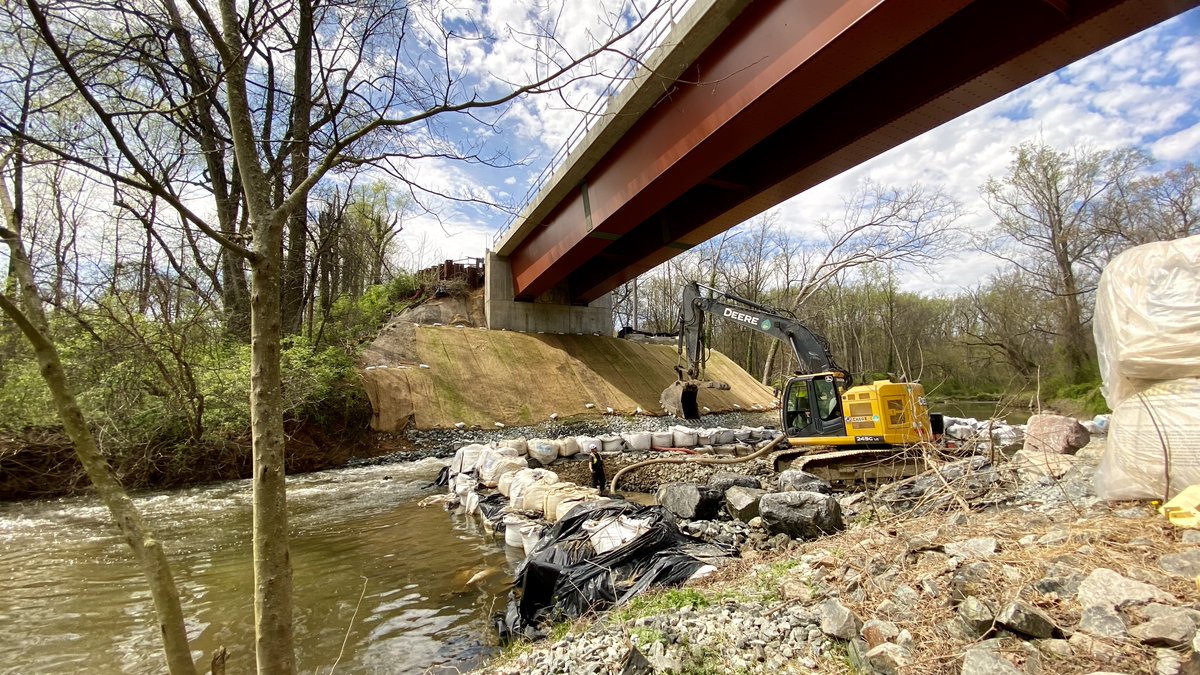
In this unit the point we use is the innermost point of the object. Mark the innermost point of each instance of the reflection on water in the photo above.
(983, 410)
(371, 569)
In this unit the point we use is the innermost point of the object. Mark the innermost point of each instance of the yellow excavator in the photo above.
(845, 434)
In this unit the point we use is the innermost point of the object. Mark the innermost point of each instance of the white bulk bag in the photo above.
(705, 436)
(662, 439)
(723, 436)
(530, 535)
(612, 443)
(525, 478)
(609, 533)
(684, 437)
(533, 497)
(1151, 434)
(512, 530)
(543, 450)
(586, 442)
(1147, 318)
(504, 483)
(466, 457)
(568, 447)
(640, 440)
(491, 474)
(471, 503)
(518, 444)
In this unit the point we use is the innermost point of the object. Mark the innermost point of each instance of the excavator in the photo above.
(843, 433)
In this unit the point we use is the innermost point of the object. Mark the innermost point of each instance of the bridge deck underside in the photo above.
(795, 92)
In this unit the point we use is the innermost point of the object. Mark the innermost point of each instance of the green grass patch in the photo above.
(664, 602)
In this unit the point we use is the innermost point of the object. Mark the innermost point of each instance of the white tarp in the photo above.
(1147, 319)
(1152, 435)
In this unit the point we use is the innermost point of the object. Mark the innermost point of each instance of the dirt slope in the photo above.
(480, 377)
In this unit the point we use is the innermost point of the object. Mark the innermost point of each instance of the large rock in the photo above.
(1103, 622)
(1033, 466)
(997, 656)
(1056, 434)
(837, 620)
(1182, 564)
(1021, 617)
(1171, 630)
(742, 502)
(1107, 588)
(978, 617)
(689, 501)
(721, 481)
(795, 480)
(801, 515)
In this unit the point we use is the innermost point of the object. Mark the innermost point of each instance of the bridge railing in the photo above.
(660, 27)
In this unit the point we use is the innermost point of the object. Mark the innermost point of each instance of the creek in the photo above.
(380, 584)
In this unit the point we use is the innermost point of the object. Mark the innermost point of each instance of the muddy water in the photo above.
(372, 571)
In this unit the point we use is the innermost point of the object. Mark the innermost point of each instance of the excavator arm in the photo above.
(811, 350)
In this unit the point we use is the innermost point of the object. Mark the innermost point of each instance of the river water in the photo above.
(371, 569)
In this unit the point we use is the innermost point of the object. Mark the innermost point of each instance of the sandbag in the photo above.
(723, 436)
(1150, 435)
(640, 440)
(518, 444)
(662, 439)
(543, 450)
(525, 478)
(612, 443)
(565, 506)
(568, 447)
(609, 533)
(533, 497)
(1147, 318)
(564, 492)
(486, 465)
(705, 436)
(530, 534)
(504, 482)
(507, 465)
(466, 457)
(512, 530)
(683, 437)
(471, 503)
(587, 443)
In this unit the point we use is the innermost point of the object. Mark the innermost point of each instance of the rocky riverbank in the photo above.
(1004, 567)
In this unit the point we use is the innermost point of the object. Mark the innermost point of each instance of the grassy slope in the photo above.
(482, 377)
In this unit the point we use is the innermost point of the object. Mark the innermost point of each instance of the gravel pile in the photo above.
(999, 568)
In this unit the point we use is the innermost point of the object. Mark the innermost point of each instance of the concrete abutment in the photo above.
(550, 313)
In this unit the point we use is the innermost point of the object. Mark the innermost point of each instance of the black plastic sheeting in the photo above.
(564, 577)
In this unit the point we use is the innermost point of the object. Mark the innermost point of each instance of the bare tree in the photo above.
(1046, 210)
(270, 106)
(26, 311)
(912, 226)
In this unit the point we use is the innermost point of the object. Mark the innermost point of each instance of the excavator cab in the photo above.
(812, 406)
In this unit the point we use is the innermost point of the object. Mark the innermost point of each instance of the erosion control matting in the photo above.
(480, 377)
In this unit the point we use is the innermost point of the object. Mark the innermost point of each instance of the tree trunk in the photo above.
(272, 567)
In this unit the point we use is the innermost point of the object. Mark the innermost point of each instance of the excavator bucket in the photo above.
(680, 399)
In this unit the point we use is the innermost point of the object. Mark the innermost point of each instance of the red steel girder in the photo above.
(791, 94)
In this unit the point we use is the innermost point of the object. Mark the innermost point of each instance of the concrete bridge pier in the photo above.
(551, 312)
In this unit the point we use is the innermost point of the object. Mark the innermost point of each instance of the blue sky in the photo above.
(1144, 92)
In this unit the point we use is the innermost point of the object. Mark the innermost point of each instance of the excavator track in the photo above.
(850, 469)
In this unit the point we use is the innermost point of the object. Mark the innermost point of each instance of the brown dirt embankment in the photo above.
(480, 377)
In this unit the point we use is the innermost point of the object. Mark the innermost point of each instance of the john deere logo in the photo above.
(766, 324)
